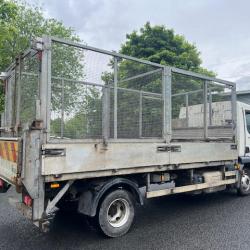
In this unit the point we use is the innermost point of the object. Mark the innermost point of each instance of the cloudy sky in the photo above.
(219, 28)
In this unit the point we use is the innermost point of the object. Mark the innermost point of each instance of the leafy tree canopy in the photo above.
(161, 45)
(19, 23)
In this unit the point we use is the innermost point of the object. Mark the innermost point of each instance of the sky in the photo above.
(219, 28)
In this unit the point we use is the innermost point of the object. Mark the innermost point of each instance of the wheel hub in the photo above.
(245, 182)
(118, 213)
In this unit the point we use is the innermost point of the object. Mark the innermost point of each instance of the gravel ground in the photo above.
(215, 221)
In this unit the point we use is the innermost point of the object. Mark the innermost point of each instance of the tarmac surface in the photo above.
(215, 221)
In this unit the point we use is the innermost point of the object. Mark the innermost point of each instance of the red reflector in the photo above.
(27, 200)
(1, 183)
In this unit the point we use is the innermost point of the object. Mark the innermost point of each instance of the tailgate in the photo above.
(9, 148)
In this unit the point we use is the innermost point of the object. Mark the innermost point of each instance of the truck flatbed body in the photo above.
(117, 158)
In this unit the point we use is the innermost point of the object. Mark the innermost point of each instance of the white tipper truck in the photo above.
(105, 140)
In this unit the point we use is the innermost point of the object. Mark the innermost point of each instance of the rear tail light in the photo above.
(27, 200)
(1, 183)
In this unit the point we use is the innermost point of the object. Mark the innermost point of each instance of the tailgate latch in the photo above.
(50, 152)
(169, 148)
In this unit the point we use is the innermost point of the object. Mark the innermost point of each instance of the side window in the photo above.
(248, 121)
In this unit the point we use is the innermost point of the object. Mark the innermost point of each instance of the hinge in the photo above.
(50, 152)
(169, 148)
(37, 44)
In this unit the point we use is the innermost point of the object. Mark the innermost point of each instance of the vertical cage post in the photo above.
(115, 96)
(62, 109)
(205, 109)
(140, 115)
(234, 112)
(4, 115)
(210, 98)
(106, 113)
(167, 103)
(45, 84)
(18, 89)
(10, 101)
(43, 135)
(187, 115)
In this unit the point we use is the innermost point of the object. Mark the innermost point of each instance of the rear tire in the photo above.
(244, 188)
(116, 213)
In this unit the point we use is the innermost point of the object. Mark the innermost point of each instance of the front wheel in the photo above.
(244, 188)
(116, 213)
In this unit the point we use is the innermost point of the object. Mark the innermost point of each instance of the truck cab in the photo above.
(243, 132)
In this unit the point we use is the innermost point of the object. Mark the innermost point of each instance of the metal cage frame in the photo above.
(43, 110)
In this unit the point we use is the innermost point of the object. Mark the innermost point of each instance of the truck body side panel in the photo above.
(90, 157)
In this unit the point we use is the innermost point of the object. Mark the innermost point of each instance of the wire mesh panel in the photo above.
(57, 123)
(219, 111)
(97, 91)
(200, 109)
(219, 105)
(138, 76)
(84, 119)
(128, 114)
(77, 87)
(9, 112)
(152, 116)
(99, 94)
(28, 90)
(22, 92)
(193, 109)
(96, 94)
(79, 115)
(187, 107)
(135, 112)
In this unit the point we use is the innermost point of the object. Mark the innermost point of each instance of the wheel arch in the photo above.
(90, 199)
(244, 161)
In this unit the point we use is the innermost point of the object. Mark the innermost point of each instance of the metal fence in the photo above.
(205, 111)
(21, 92)
(108, 96)
(88, 93)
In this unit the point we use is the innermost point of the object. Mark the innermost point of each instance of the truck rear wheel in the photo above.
(244, 188)
(116, 213)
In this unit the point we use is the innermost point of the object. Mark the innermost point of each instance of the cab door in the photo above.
(247, 131)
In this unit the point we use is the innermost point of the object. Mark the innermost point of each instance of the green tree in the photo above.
(8, 11)
(161, 45)
(20, 23)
